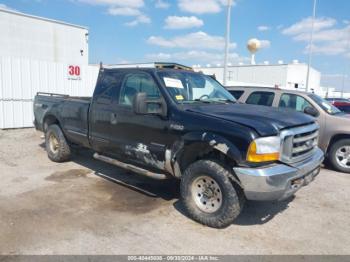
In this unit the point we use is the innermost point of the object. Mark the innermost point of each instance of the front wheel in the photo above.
(339, 155)
(208, 195)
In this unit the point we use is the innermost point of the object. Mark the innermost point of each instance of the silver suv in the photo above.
(334, 137)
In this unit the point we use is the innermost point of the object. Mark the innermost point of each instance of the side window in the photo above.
(236, 93)
(136, 83)
(294, 102)
(261, 98)
(108, 87)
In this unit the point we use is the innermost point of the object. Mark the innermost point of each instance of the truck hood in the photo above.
(267, 121)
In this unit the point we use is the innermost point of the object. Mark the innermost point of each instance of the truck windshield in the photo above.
(191, 87)
(325, 105)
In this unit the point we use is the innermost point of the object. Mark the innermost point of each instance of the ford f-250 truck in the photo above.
(163, 120)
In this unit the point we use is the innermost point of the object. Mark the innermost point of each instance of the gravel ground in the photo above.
(72, 208)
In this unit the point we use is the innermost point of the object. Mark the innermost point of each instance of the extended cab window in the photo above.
(108, 86)
(261, 98)
(137, 83)
(236, 93)
(294, 102)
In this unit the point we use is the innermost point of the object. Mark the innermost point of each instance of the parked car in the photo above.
(342, 105)
(334, 124)
(337, 99)
(166, 122)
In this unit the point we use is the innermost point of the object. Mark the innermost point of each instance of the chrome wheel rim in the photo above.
(207, 194)
(342, 156)
(53, 143)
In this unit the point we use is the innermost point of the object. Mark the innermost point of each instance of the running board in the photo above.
(132, 168)
(119, 182)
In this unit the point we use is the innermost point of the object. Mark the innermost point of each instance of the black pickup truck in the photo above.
(164, 120)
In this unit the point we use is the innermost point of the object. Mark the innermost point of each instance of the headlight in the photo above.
(264, 149)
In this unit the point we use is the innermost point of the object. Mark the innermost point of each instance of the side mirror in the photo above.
(143, 106)
(311, 111)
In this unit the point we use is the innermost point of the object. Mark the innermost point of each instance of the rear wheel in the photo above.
(208, 195)
(57, 147)
(339, 155)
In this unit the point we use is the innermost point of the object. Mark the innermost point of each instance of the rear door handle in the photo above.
(114, 119)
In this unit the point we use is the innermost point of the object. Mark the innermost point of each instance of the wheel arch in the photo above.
(205, 145)
(48, 120)
(336, 138)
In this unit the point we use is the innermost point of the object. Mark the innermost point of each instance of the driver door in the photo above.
(142, 138)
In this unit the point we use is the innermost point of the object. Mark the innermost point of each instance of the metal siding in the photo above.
(21, 79)
(42, 39)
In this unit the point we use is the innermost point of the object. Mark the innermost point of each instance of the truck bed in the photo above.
(65, 97)
(71, 112)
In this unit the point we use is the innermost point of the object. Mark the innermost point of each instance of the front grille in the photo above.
(299, 143)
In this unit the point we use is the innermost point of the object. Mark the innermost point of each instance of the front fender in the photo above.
(216, 142)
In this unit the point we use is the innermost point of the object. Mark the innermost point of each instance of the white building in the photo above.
(40, 55)
(288, 76)
(38, 38)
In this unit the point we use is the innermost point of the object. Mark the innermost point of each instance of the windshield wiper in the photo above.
(211, 101)
(203, 101)
(227, 101)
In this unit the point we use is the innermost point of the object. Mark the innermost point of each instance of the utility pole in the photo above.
(227, 43)
(310, 45)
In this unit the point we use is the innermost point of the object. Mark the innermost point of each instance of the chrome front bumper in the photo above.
(279, 181)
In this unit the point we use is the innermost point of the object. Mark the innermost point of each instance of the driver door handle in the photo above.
(114, 119)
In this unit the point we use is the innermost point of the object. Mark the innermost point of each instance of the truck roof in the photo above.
(152, 65)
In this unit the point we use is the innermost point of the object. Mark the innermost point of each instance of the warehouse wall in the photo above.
(21, 79)
(39, 38)
(284, 75)
(262, 75)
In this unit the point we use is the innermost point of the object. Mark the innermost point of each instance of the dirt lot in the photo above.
(72, 208)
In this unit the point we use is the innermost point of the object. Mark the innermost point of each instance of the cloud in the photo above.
(265, 43)
(264, 28)
(325, 35)
(305, 25)
(202, 6)
(197, 40)
(122, 3)
(124, 11)
(182, 22)
(327, 39)
(329, 48)
(5, 7)
(196, 56)
(162, 4)
(141, 19)
(123, 8)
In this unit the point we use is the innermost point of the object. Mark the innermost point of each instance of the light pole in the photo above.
(310, 45)
(345, 65)
(227, 43)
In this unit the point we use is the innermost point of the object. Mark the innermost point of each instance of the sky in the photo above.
(192, 31)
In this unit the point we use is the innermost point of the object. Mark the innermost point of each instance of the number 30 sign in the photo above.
(74, 72)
